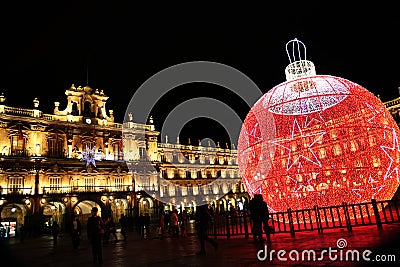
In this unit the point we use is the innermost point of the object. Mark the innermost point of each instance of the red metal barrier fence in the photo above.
(314, 219)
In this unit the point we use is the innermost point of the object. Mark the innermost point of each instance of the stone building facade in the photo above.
(56, 165)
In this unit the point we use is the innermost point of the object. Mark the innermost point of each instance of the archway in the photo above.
(12, 217)
(82, 210)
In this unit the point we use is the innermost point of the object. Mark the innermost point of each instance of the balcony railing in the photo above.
(16, 190)
(25, 112)
(86, 189)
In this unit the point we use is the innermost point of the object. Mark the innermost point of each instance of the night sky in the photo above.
(45, 48)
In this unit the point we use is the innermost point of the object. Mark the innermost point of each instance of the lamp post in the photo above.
(36, 206)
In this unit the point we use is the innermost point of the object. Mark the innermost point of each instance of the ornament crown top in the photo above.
(299, 67)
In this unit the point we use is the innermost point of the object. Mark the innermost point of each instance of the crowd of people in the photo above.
(171, 223)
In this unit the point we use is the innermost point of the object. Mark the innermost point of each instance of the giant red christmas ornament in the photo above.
(318, 140)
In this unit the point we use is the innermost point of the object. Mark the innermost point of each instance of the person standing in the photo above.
(55, 230)
(265, 219)
(162, 225)
(185, 218)
(202, 220)
(175, 223)
(95, 230)
(259, 215)
(75, 231)
(147, 221)
(22, 233)
(123, 221)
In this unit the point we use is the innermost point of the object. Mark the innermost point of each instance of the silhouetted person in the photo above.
(175, 223)
(95, 230)
(184, 221)
(162, 225)
(123, 221)
(202, 220)
(147, 223)
(110, 230)
(55, 230)
(75, 232)
(22, 232)
(259, 215)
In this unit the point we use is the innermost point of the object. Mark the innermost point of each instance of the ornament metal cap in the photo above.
(298, 66)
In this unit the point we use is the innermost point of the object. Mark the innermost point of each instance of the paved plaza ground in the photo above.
(236, 251)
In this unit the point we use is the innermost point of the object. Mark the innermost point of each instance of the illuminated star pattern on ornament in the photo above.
(369, 191)
(331, 131)
(394, 155)
(377, 115)
(290, 143)
(313, 118)
(88, 155)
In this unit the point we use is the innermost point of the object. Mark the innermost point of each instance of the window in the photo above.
(163, 159)
(56, 147)
(17, 146)
(189, 190)
(16, 184)
(118, 154)
(165, 190)
(145, 182)
(75, 185)
(89, 184)
(210, 189)
(55, 184)
(119, 183)
(142, 153)
(87, 143)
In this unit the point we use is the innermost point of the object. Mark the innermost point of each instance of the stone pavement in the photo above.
(236, 251)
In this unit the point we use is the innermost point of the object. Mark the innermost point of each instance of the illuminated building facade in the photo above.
(56, 165)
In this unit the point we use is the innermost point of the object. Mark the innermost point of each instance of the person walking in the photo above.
(95, 230)
(202, 220)
(76, 228)
(55, 230)
(110, 230)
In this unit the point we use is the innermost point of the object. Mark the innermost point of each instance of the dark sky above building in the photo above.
(45, 48)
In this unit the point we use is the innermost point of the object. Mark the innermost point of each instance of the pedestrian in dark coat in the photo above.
(202, 220)
(75, 232)
(95, 231)
(55, 230)
(259, 215)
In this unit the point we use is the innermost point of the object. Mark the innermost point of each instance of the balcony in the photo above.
(86, 189)
(16, 191)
